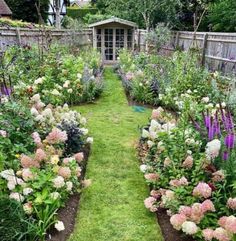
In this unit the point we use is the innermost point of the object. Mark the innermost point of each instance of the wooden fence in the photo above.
(24, 36)
(218, 49)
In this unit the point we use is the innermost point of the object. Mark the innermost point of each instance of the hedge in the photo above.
(80, 13)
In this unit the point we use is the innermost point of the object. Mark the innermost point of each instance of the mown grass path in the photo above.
(112, 208)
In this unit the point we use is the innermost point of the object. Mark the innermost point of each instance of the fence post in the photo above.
(18, 36)
(177, 39)
(204, 48)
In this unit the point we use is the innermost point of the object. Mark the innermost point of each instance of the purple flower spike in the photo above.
(211, 133)
(230, 140)
(225, 156)
(207, 121)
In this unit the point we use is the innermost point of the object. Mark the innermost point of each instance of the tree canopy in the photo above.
(26, 9)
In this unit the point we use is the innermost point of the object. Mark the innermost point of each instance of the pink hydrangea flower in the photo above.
(202, 190)
(208, 234)
(79, 157)
(36, 138)
(231, 203)
(40, 155)
(156, 113)
(218, 176)
(65, 172)
(155, 193)
(222, 221)
(56, 136)
(196, 214)
(207, 206)
(27, 162)
(186, 210)
(188, 162)
(152, 177)
(150, 204)
(27, 174)
(230, 224)
(221, 235)
(177, 220)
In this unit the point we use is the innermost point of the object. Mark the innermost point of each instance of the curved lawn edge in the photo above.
(112, 207)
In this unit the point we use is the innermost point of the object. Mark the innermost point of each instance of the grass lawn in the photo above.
(112, 208)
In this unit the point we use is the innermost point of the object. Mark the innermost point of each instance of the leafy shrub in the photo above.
(14, 223)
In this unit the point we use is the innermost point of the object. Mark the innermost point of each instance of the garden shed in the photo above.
(5, 11)
(111, 35)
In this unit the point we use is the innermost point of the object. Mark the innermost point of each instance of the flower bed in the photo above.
(41, 165)
(189, 165)
(59, 75)
(157, 80)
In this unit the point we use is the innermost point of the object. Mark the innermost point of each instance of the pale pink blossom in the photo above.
(186, 210)
(86, 183)
(218, 176)
(27, 162)
(40, 155)
(188, 162)
(167, 162)
(150, 203)
(231, 203)
(28, 208)
(155, 193)
(196, 213)
(230, 224)
(221, 234)
(208, 234)
(67, 160)
(156, 113)
(177, 220)
(27, 174)
(79, 157)
(36, 138)
(222, 221)
(65, 172)
(202, 190)
(208, 206)
(152, 177)
(56, 136)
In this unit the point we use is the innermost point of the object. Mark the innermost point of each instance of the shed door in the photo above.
(108, 44)
(114, 40)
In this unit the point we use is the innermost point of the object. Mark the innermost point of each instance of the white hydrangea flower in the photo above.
(89, 140)
(59, 226)
(145, 133)
(58, 182)
(16, 196)
(143, 168)
(27, 191)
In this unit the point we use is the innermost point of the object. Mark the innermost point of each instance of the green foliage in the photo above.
(159, 36)
(59, 76)
(92, 18)
(14, 223)
(80, 13)
(222, 16)
(155, 79)
(27, 11)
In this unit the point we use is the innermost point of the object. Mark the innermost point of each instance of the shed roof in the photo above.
(4, 9)
(114, 20)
